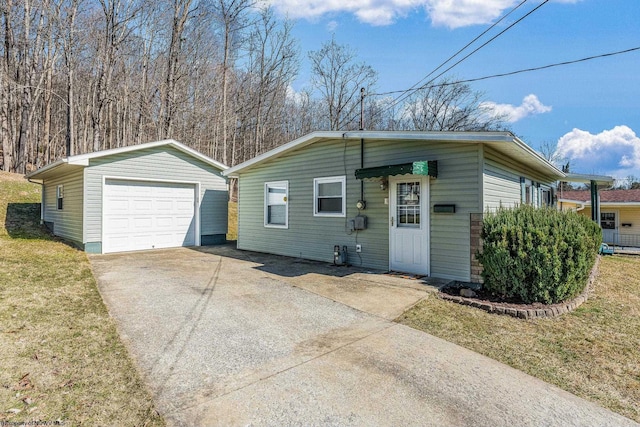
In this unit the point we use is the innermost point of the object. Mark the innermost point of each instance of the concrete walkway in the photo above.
(225, 337)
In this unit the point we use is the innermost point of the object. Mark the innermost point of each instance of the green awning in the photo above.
(425, 167)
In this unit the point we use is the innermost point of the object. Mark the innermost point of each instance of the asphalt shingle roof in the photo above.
(606, 196)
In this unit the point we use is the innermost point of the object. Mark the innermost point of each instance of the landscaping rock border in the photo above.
(527, 311)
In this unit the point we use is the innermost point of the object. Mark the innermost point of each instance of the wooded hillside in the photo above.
(84, 75)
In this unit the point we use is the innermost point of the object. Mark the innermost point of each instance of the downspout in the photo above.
(41, 184)
(362, 141)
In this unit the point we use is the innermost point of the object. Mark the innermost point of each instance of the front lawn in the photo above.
(61, 358)
(593, 352)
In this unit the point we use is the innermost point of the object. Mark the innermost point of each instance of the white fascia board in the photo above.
(83, 159)
(577, 202)
(607, 204)
(469, 137)
(537, 158)
(498, 138)
(278, 151)
(586, 179)
(50, 166)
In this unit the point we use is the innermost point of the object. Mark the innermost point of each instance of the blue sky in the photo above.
(591, 110)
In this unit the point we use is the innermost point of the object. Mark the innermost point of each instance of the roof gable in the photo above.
(504, 142)
(82, 160)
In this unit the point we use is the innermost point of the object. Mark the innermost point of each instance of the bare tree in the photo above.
(548, 149)
(181, 13)
(339, 78)
(272, 65)
(450, 106)
(232, 16)
(117, 16)
(70, 12)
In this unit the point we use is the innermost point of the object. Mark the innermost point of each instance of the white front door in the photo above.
(609, 224)
(409, 224)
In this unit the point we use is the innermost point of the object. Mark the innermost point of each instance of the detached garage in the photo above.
(157, 195)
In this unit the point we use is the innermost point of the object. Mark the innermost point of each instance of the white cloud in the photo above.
(461, 13)
(331, 26)
(530, 106)
(614, 152)
(444, 13)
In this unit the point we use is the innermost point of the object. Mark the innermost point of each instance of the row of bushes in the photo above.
(537, 255)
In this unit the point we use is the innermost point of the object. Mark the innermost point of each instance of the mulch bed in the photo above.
(491, 304)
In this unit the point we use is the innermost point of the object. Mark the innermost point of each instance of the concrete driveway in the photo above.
(225, 337)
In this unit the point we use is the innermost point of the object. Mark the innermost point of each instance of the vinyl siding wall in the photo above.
(314, 237)
(160, 163)
(67, 222)
(501, 180)
(624, 215)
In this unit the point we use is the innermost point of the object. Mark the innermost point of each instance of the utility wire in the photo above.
(407, 92)
(467, 45)
(526, 70)
(412, 90)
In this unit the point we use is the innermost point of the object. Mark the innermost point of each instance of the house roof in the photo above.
(504, 142)
(82, 160)
(606, 196)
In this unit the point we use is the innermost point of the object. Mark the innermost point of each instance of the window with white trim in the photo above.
(276, 208)
(59, 196)
(329, 196)
(526, 191)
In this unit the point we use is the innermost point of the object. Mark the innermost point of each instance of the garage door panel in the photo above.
(183, 221)
(118, 223)
(183, 206)
(164, 205)
(143, 222)
(142, 206)
(147, 215)
(165, 222)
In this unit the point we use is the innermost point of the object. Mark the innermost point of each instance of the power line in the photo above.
(410, 91)
(479, 36)
(526, 70)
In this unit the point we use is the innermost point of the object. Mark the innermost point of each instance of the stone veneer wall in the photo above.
(476, 245)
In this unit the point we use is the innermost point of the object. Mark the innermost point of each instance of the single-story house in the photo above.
(400, 201)
(155, 195)
(619, 213)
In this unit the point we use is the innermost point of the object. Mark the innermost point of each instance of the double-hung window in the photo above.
(276, 212)
(329, 196)
(59, 196)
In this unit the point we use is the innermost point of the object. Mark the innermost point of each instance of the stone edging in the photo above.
(552, 310)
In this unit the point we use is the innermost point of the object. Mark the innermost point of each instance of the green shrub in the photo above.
(537, 255)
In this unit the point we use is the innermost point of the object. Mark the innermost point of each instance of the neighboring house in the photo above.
(155, 195)
(619, 213)
(402, 201)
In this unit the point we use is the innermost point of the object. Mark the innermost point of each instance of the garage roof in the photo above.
(82, 160)
(504, 142)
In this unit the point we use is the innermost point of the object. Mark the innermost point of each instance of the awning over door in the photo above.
(424, 167)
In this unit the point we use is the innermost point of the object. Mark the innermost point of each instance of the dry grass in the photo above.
(233, 221)
(61, 357)
(593, 352)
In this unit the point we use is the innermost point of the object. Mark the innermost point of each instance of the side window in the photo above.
(526, 191)
(276, 211)
(329, 196)
(60, 196)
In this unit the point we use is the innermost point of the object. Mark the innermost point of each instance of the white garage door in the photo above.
(147, 215)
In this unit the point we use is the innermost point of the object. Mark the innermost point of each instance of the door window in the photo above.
(408, 204)
(608, 220)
